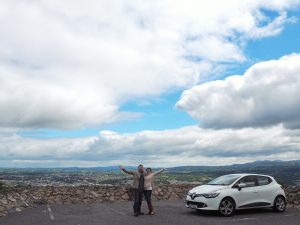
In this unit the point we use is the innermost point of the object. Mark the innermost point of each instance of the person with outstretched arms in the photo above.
(138, 187)
(149, 186)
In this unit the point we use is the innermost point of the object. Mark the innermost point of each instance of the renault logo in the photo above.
(193, 195)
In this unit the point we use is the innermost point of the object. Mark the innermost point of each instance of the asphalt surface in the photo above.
(168, 212)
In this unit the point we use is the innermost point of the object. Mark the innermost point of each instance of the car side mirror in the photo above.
(241, 185)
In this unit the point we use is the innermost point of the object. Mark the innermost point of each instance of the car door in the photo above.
(247, 196)
(265, 190)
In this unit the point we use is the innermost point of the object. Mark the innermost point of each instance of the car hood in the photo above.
(207, 188)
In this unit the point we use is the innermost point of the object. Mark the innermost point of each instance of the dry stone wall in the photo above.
(293, 196)
(16, 199)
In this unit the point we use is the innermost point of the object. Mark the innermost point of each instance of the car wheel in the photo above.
(279, 204)
(227, 207)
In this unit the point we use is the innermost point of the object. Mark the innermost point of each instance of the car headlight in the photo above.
(211, 195)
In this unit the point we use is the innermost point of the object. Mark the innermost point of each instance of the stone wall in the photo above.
(293, 196)
(16, 199)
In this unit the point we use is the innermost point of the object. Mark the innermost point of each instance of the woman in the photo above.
(148, 187)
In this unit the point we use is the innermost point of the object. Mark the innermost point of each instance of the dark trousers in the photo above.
(148, 194)
(138, 198)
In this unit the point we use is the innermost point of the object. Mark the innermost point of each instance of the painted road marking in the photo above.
(50, 212)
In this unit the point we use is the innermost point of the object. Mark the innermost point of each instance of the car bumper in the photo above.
(202, 203)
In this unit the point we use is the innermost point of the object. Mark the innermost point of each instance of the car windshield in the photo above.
(225, 180)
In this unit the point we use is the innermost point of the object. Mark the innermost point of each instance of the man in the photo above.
(138, 187)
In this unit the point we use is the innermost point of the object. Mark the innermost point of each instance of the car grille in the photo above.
(194, 195)
(198, 204)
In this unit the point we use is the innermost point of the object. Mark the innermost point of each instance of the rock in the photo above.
(58, 200)
(35, 198)
(2, 209)
(94, 194)
(10, 198)
(3, 201)
(3, 213)
(51, 202)
(112, 199)
(99, 200)
(18, 209)
(125, 197)
(86, 201)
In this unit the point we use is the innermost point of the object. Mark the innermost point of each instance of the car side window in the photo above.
(262, 180)
(250, 181)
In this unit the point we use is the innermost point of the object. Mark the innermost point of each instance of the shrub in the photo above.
(2, 185)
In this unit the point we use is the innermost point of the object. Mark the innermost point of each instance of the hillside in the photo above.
(287, 172)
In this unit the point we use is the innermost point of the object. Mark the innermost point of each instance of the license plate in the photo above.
(193, 206)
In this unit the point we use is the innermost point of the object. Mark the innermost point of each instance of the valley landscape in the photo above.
(285, 172)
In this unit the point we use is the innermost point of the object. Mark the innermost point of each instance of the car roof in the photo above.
(249, 174)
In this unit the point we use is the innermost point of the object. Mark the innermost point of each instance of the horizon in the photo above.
(155, 83)
(156, 167)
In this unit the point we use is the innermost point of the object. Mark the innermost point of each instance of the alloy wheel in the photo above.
(226, 207)
(279, 204)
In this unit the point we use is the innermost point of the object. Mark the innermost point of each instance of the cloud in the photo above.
(185, 146)
(266, 95)
(65, 65)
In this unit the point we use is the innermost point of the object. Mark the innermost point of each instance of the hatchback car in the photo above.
(232, 192)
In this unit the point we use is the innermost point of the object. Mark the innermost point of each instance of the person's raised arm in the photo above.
(126, 171)
(159, 171)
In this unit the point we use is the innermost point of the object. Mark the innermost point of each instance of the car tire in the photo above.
(279, 204)
(227, 207)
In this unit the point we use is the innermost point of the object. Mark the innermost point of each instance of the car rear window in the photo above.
(262, 180)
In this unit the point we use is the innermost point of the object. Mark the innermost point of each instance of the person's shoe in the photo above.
(136, 214)
(141, 213)
(151, 210)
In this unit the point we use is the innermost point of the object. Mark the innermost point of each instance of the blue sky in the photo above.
(100, 89)
(160, 113)
(274, 47)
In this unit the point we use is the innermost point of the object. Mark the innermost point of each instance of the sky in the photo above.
(159, 83)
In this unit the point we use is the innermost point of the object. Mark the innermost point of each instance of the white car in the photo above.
(232, 192)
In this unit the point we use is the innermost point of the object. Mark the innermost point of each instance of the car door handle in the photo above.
(255, 192)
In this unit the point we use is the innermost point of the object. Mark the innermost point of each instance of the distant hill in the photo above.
(286, 172)
(246, 166)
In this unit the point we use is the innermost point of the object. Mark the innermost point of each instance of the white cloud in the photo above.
(66, 64)
(184, 146)
(267, 94)
(272, 29)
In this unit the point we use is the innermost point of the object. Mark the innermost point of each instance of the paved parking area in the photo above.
(168, 212)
